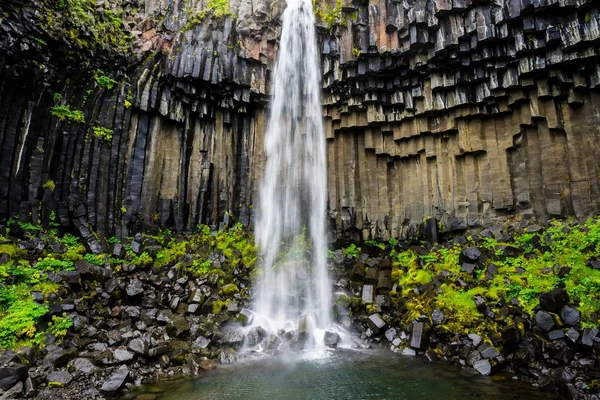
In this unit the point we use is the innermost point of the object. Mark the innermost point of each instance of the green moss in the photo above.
(329, 14)
(170, 254)
(103, 80)
(49, 185)
(64, 113)
(216, 8)
(19, 322)
(219, 305)
(230, 289)
(103, 133)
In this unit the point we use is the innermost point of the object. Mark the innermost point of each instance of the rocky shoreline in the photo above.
(158, 306)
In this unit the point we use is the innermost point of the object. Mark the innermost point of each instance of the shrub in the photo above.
(19, 322)
(65, 113)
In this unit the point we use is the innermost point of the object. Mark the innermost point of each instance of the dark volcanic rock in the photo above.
(9, 376)
(375, 322)
(570, 316)
(418, 337)
(483, 367)
(115, 382)
(554, 300)
(62, 378)
(544, 320)
(469, 255)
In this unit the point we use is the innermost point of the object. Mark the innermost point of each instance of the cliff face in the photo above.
(464, 111)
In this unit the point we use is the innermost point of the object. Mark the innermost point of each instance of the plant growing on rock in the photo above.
(64, 113)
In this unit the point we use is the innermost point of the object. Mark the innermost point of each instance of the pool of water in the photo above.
(343, 374)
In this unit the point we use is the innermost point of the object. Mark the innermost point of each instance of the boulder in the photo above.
(115, 382)
(570, 315)
(14, 392)
(122, 355)
(235, 338)
(82, 365)
(138, 346)
(469, 255)
(418, 337)
(375, 322)
(483, 367)
(10, 375)
(544, 320)
(60, 357)
(135, 289)
(554, 300)
(59, 378)
(331, 339)
(255, 336)
(367, 294)
(588, 336)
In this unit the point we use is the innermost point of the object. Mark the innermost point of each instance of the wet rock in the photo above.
(178, 326)
(255, 336)
(59, 378)
(122, 356)
(469, 255)
(115, 382)
(201, 343)
(468, 268)
(431, 355)
(588, 336)
(246, 316)
(367, 294)
(375, 322)
(10, 375)
(331, 339)
(14, 392)
(227, 356)
(28, 389)
(409, 352)
(488, 352)
(82, 365)
(418, 337)
(390, 334)
(235, 338)
(138, 346)
(60, 357)
(573, 335)
(437, 317)
(135, 288)
(554, 300)
(475, 339)
(544, 320)
(473, 357)
(570, 315)
(483, 367)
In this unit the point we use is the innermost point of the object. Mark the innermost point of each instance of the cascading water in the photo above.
(293, 291)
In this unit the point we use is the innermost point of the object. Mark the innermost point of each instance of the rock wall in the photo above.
(464, 111)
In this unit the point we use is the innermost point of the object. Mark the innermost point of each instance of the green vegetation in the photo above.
(352, 250)
(64, 112)
(215, 8)
(84, 25)
(356, 52)
(103, 133)
(330, 15)
(522, 269)
(103, 80)
(50, 185)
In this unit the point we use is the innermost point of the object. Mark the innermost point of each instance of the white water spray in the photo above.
(293, 290)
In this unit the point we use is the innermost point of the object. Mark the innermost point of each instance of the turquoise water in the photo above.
(344, 374)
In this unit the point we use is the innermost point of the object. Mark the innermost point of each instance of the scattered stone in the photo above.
(468, 268)
(331, 339)
(122, 355)
(9, 376)
(544, 320)
(437, 317)
(483, 367)
(390, 334)
(588, 336)
(59, 378)
(375, 322)
(554, 300)
(201, 343)
(233, 338)
(418, 338)
(135, 288)
(469, 255)
(115, 382)
(570, 316)
(82, 365)
(488, 352)
(407, 351)
(14, 392)
(573, 335)
(138, 346)
(557, 334)
(367, 294)
(475, 339)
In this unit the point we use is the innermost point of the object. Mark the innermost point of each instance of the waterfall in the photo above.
(293, 290)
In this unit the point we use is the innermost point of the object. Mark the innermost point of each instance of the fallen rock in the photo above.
(82, 365)
(9, 376)
(59, 378)
(544, 320)
(115, 382)
(483, 367)
(570, 315)
(331, 339)
(418, 338)
(375, 322)
(554, 300)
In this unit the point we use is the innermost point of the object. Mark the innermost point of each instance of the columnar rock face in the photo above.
(464, 111)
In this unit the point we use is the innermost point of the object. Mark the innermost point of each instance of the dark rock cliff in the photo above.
(466, 111)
